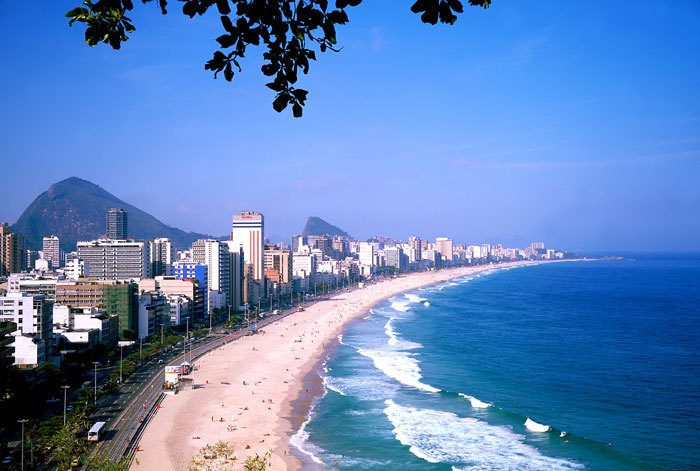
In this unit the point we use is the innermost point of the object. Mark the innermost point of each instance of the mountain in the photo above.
(75, 210)
(317, 226)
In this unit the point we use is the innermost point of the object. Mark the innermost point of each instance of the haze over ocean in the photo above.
(446, 377)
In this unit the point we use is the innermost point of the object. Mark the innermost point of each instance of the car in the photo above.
(75, 463)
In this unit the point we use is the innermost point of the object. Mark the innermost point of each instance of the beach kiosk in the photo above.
(171, 382)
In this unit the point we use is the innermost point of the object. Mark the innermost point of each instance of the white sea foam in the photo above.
(394, 340)
(365, 387)
(330, 382)
(467, 443)
(426, 304)
(300, 439)
(401, 366)
(476, 403)
(535, 427)
(389, 330)
(414, 298)
(401, 306)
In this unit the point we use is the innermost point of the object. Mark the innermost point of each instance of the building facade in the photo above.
(51, 250)
(215, 255)
(162, 256)
(33, 316)
(12, 251)
(248, 232)
(117, 224)
(116, 259)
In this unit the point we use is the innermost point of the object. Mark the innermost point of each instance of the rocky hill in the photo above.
(317, 226)
(75, 209)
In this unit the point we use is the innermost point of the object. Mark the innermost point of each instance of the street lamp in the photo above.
(121, 362)
(65, 390)
(95, 363)
(23, 421)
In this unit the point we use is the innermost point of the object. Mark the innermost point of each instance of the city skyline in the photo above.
(580, 130)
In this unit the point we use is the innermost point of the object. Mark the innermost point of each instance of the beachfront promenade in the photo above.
(245, 388)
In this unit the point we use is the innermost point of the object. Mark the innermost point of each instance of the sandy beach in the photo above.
(245, 389)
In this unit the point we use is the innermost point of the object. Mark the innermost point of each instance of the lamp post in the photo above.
(23, 421)
(121, 363)
(65, 392)
(95, 363)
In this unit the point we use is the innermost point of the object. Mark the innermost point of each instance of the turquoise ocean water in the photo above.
(568, 366)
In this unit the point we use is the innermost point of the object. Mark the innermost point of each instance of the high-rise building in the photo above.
(122, 300)
(117, 227)
(366, 254)
(394, 257)
(236, 274)
(162, 256)
(444, 246)
(32, 257)
(215, 255)
(248, 232)
(116, 259)
(52, 251)
(12, 251)
(281, 261)
(416, 246)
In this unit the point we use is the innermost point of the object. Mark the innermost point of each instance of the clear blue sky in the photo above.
(574, 123)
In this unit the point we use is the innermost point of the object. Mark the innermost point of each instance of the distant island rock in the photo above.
(316, 226)
(75, 210)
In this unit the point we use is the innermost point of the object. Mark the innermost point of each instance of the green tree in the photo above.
(257, 462)
(99, 463)
(290, 31)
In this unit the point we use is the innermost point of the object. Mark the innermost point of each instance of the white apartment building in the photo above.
(117, 259)
(248, 232)
(215, 255)
(51, 251)
(162, 256)
(303, 266)
(34, 334)
(366, 254)
(76, 268)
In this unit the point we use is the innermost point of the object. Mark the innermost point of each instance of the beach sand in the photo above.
(245, 389)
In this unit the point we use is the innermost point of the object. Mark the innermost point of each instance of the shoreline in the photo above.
(302, 408)
(286, 384)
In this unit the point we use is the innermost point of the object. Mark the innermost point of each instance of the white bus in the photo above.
(94, 433)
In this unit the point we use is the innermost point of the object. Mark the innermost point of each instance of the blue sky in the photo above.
(574, 123)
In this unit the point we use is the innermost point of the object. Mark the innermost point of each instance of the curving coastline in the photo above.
(256, 392)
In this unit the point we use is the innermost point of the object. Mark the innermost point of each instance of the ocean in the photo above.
(583, 365)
